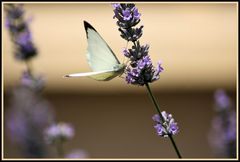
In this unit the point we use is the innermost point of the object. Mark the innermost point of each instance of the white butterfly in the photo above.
(101, 58)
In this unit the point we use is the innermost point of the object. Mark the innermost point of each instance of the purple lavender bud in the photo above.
(141, 64)
(147, 61)
(127, 14)
(138, 52)
(135, 72)
(136, 14)
(157, 72)
(169, 126)
(159, 68)
(131, 34)
(126, 53)
(116, 5)
(161, 131)
(156, 118)
(165, 115)
(173, 128)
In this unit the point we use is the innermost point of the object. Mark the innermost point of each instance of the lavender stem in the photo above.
(161, 117)
(29, 67)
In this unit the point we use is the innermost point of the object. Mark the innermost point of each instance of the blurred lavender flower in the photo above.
(222, 101)
(19, 31)
(166, 128)
(59, 132)
(26, 118)
(34, 83)
(77, 154)
(222, 135)
(141, 70)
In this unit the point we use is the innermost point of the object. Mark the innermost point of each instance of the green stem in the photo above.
(175, 146)
(154, 102)
(29, 67)
(162, 119)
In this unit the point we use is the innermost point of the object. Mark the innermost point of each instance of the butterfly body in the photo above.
(100, 57)
(117, 71)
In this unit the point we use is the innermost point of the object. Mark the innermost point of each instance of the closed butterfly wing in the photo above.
(99, 54)
(101, 58)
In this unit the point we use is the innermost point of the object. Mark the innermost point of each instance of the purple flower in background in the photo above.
(26, 118)
(60, 131)
(19, 32)
(141, 70)
(222, 101)
(24, 38)
(15, 11)
(169, 126)
(34, 83)
(77, 154)
(222, 135)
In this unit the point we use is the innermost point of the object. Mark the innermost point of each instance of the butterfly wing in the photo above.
(98, 75)
(101, 58)
(99, 54)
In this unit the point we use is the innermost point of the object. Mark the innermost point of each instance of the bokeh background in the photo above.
(197, 43)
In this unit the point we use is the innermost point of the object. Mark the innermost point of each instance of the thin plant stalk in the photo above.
(29, 67)
(162, 119)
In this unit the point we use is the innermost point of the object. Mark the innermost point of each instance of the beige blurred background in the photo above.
(197, 43)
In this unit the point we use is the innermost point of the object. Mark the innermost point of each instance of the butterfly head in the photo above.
(119, 68)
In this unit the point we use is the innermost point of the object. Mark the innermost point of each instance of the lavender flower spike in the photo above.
(222, 101)
(166, 128)
(222, 134)
(19, 32)
(141, 70)
(61, 131)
